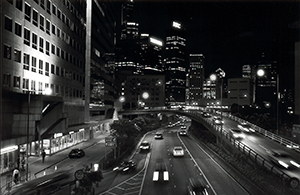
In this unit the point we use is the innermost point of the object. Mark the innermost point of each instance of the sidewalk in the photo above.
(36, 165)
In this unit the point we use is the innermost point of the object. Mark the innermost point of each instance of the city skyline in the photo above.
(229, 34)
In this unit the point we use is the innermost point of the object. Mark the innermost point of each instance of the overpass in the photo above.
(224, 137)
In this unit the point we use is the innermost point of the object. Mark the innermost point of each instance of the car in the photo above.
(206, 115)
(158, 135)
(236, 133)
(183, 126)
(282, 158)
(160, 172)
(196, 185)
(245, 127)
(76, 153)
(182, 132)
(178, 151)
(126, 166)
(218, 120)
(145, 146)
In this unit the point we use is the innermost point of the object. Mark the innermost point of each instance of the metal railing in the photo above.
(268, 134)
(250, 153)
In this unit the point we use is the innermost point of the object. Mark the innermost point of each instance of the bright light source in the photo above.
(48, 91)
(176, 25)
(145, 95)
(122, 99)
(260, 72)
(213, 77)
(96, 167)
(156, 41)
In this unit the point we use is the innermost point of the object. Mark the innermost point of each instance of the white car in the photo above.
(218, 120)
(237, 134)
(145, 145)
(282, 158)
(160, 172)
(245, 127)
(178, 151)
(182, 132)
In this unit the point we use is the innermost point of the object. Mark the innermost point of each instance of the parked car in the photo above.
(282, 159)
(158, 135)
(126, 166)
(76, 153)
(178, 151)
(145, 146)
(196, 185)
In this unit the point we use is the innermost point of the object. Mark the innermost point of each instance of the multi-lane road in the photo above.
(195, 163)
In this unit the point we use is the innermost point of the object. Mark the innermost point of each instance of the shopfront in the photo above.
(9, 157)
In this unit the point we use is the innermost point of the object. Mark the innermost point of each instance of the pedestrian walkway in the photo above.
(36, 167)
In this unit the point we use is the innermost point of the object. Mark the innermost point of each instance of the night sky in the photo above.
(229, 34)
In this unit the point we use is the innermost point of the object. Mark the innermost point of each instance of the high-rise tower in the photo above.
(175, 64)
(195, 79)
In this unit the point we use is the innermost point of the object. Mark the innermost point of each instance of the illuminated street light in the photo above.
(214, 77)
(261, 73)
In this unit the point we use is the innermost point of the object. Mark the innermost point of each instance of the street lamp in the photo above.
(145, 96)
(214, 77)
(261, 73)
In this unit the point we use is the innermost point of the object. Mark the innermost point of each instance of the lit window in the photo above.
(17, 55)
(7, 52)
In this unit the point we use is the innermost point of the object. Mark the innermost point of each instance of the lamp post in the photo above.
(214, 77)
(261, 73)
(145, 96)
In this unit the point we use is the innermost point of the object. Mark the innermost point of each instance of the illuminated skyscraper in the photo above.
(195, 79)
(175, 64)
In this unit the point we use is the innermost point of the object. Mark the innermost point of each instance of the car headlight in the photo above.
(295, 164)
(285, 165)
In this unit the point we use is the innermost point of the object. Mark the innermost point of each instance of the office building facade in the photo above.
(175, 65)
(195, 79)
(43, 49)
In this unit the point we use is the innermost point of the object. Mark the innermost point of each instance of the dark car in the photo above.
(76, 153)
(197, 186)
(126, 166)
